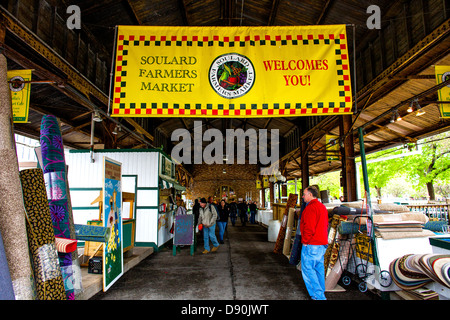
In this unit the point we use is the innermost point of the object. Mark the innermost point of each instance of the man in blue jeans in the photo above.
(314, 235)
(208, 217)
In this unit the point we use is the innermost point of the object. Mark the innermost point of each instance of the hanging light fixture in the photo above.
(392, 118)
(97, 117)
(397, 116)
(116, 129)
(419, 109)
(411, 107)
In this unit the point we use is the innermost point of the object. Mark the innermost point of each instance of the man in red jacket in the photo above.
(314, 233)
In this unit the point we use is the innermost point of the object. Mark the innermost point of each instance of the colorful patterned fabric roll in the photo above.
(54, 167)
(41, 238)
(92, 233)
(13, 228)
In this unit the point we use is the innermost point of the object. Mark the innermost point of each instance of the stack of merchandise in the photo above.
(413, 271)
(401, 225)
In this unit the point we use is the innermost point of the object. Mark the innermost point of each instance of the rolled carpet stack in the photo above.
(12, 212)
(55, 176)
(413, 271)
(41, 238)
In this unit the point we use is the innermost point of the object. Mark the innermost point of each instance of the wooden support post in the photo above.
(348, 160)
(305, 165)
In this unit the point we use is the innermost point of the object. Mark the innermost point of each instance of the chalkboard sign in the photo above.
(184, 229)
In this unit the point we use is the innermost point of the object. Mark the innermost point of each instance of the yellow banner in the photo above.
(332, 147)
(443, 74)
(231, 71)
(20, 94)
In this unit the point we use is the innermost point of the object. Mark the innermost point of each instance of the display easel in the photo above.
(183, 233)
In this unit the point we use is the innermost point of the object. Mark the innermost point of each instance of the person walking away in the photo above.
(253, 208)
(208, 217)
(222, 220)
(196, 212)
(314, 237)
(233, 212)
(242, 206)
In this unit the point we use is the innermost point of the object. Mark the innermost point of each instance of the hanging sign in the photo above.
(112, 206)
(258, 184)
(231, 71)
(20, 94)
(442, 75)
(332, 146)
(265, 182)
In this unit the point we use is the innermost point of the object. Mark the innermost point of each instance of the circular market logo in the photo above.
(231, 75)
(445, 77)
(16, 84)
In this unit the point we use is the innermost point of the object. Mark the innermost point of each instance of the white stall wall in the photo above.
(85, 182)
(144, 164)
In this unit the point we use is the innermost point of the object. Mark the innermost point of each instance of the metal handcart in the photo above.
(361, 270)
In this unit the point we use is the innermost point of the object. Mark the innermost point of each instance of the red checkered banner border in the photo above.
(231, 72)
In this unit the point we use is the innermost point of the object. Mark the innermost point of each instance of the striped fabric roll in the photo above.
(65, 245)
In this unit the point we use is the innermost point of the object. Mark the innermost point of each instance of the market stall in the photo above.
(148, 174)
(367, 248)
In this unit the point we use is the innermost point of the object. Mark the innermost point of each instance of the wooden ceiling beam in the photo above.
(324, 12)
(273, 12)
(183, 12)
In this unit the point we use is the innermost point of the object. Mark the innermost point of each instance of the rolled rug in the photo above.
(346, 227)
(288, 235)
(12, 212)
(435, 226)
(292, 200)
(54, 167)
(65, 245)
(41, 238)
(13, 228)
(92, 233)
(6, 288)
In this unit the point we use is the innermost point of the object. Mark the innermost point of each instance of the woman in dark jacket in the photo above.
(223, 212)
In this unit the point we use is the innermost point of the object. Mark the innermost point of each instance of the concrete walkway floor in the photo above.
(243, 268)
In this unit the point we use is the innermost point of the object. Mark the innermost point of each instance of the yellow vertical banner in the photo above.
(19, 84)
(332, 146)
(265, 180)
(443, 74)
(231, 71)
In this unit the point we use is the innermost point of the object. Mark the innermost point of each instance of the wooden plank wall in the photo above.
(77, 47)
(413, 21)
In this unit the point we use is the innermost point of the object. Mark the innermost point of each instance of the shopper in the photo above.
(233, 212)
(222, 220)
(253, 209)
(242, 206)
(208, 217)
(314, 237)
(196, 211)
